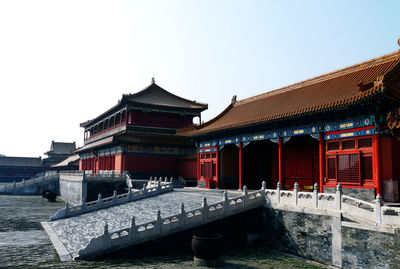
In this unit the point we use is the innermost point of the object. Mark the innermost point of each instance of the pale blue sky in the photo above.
(64, 62)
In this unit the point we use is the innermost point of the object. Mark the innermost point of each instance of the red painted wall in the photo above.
(187, 168)
(301, 162)
(149, 163)
(386, 158)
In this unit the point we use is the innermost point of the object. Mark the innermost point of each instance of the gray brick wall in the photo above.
(322, 238)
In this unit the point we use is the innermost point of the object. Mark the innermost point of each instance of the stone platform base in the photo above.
(208, 263)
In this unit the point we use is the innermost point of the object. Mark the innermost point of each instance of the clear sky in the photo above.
(64, 62)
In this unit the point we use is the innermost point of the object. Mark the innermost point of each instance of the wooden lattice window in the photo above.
(365, 143)
(333, 145)
(348, 144)
(331, 168)
(348, 169)
(366, 167)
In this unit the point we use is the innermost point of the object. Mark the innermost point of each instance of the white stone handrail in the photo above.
(136, 234)
(278, 199)
(349, 206)
(24, 184)
(155, 188)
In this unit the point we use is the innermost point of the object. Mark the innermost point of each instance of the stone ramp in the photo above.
(31, 186)
(76, 232)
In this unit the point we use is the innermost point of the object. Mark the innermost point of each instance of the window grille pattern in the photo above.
(349, 168)
(367, 167)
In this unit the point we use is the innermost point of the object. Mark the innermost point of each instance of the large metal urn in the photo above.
(207, 249)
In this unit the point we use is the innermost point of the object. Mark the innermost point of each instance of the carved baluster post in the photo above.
(99, 201)
(115, 198)
(83, 206)
(204, 208)
(170, 180)
(159, 183)
(182, 218)
(226, 203)
(130, 194)
(158, 221)
(150, 182)
(378, 209)
(263, 188)
(296, 193)
(246, 196)
(66, 212)
(278, 192)
(338, 196)
(165, 180)
(106, 236)
(132, 230)
(316, 191)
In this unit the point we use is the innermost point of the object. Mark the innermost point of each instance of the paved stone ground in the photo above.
(76, 232)
(23, 243)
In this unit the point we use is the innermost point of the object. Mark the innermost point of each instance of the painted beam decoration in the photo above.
(208, 150)
(140, 149)
(350, 134)
(313, 130)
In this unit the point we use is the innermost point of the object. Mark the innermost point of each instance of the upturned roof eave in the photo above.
(253, 123)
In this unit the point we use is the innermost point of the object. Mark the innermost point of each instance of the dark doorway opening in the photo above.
(230, 167)
(260, 164)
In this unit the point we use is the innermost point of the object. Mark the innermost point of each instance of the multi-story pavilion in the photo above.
(139, 135)
(58, 152)
(329, 129)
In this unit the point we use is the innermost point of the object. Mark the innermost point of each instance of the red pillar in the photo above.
(281, 164)
(321, 162)
(217, 170)
(377, 164)
(241, 165)
(198, 168)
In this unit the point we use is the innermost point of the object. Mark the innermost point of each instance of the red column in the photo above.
(217, 170)
(377, 164)
(198, 168)
(241, 165)
(281, 164)
(321, 162)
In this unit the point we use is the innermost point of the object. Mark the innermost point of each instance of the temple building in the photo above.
(139, 135)
(58, 152)
(18, 168)
(341, 127)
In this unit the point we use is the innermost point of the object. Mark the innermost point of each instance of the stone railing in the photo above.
(18, 187)
(156, 188)
(373, 213)
(308, 202)
(136, 234)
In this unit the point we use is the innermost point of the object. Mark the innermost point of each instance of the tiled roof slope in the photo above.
(155, 95)
(62, 147)
(21, 161)
(320, 93)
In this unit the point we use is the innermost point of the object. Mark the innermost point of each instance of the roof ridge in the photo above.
(166, 91)
(215, 118)
(324, 77)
